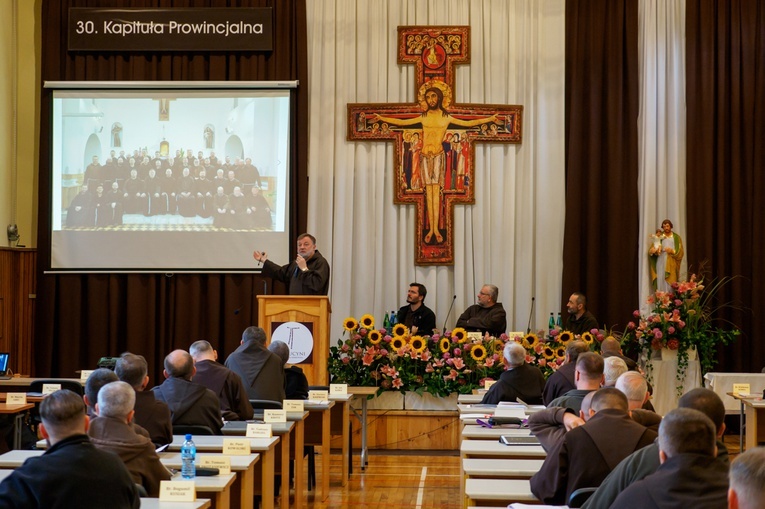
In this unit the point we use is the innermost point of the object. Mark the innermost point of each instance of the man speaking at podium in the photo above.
(308, 274)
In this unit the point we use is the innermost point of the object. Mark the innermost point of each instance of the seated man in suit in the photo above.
(296, 384)
(234, 404)
(190, 403)
(747, 480)
(261, 371)
(150, 414)
(689, 475)
(520, 380)
(486, 316)
(589, 452)
(72, 472)
(97, 379)
(562, 380)
(645, 461)
(111, 431)
(588, 377)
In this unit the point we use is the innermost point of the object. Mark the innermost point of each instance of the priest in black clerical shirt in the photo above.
(416, 315)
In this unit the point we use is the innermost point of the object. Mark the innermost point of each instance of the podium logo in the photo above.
(298, 337)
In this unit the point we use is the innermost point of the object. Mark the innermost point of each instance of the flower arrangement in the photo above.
(681, 320)
(441, 364)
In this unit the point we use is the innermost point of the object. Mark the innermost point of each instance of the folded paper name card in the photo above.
(318, 395)
(488, 383)
(293, 405)
(474, 336)
(50, 388)
(222, 463)
(16, 398)
(236, 446)
(177, 491)
(338, 389)
(255, 430)
(741, 389)
(274, 415)
(85, 374)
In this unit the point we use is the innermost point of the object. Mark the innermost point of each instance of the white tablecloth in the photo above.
(722, 383)
(665, 384)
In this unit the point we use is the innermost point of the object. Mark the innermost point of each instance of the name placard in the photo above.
(318, 395)
(177, 491)
(488, 383)
(741, 389)
(274, 415)
(259, 430)
(16, 398)
(236, 446)
(338, 389)
(50, 388)
(293, 405)
(474, 336)
(85, 374)
(222, 463)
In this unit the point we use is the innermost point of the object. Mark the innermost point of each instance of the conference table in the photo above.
(722, 384)
(363, 393)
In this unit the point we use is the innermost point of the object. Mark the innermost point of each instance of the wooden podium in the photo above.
(312, 312)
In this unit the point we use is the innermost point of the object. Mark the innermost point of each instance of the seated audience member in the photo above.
(635, 387)
(747, 480)
(72, 472)
(610, 347)
(97, 379)
(190, 403)
(689, 475)
(519, 380)
(562, 380)
(151, 414)
(588, 377)
(549, 425)
(261, 371)
(418, 317)
(579, 319)
(645, 461)
(234, 404)
(589, 452)
(486, 316)
(111, 431)
(296, 384)
(613, 367)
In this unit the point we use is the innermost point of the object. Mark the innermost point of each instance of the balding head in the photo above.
(202, 351)
(613, 368)
(634, 386)
(179, 364)
(610, 345)
(575, 349)
(609, 398)
(116, 400)
(515, 354)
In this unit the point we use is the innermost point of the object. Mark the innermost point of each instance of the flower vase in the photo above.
(668, 354)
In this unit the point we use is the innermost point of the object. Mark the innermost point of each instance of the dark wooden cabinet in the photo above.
(18, 287)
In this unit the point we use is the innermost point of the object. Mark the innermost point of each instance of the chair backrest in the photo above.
(266, 404)
(75, 387)
(580, 496)
(194, 429)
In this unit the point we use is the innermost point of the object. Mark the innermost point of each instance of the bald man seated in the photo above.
(190, 403)
(72, 472)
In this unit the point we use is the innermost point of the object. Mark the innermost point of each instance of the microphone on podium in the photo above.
(443, 331)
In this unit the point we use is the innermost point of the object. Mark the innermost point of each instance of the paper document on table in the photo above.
(503, 411)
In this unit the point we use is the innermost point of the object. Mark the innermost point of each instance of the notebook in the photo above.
(4, 366)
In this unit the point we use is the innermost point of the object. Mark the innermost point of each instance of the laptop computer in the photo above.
(4, 366)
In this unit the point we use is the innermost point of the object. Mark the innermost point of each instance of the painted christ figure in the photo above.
(435, 120)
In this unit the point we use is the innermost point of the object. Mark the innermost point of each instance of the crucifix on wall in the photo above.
(434, 138)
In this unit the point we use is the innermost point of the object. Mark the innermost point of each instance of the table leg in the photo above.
(299, 465)
(346, 448)
(18, 423)
(284, 491)
(247, 490)
(364, 453)
(267, 479)
(741, 427)
(325, 446)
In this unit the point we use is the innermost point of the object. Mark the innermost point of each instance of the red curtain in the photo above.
(81, 317)
(726, 186)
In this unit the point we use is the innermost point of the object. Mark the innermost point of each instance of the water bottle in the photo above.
(386, 322)
(393, 318)
(188, 456)
(551, 323)
(559, 323)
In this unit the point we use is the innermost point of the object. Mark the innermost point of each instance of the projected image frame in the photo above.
(156, 198)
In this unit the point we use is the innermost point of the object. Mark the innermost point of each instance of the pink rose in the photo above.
(636, 313)
(345, 348)
(673, 344)
(671, 330)
(387, 339)
(346, 360)
(631, 325)
(383, 352)
(457, 352)
(446, 355)
(554, 332)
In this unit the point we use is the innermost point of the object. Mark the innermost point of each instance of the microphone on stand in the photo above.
(447, 314)
(531, 313)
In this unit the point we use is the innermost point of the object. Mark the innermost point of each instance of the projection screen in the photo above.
(169, 176)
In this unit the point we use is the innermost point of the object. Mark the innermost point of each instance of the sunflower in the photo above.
(530, 340)
(548, 353)
(400, 330)
(374, 336)
(478, 352)
(397, 343)
(565, 337)
(587, 338)
(444, 345)
(560, 351)
(417, 343)
(498, 347)
(350, 324)
(367, 321)
(459, 335)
